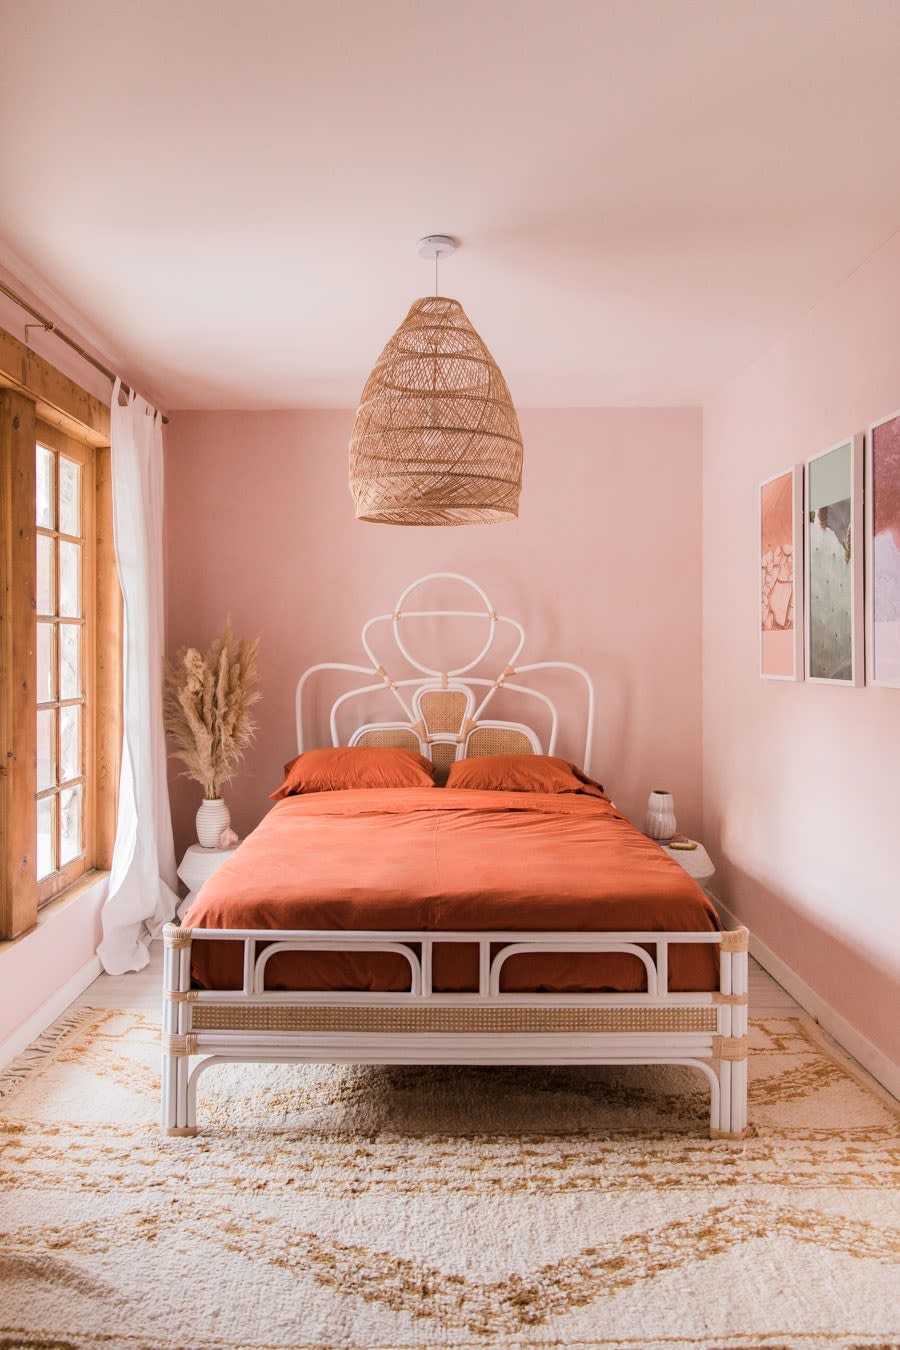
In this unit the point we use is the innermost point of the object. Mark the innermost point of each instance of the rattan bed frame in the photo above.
(444, 717)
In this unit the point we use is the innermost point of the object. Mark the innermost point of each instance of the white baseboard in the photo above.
(873, 1060)
(48, 1012)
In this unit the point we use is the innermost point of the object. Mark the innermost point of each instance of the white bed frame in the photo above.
(445, 720)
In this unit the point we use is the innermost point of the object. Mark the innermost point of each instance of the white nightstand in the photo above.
(695, 861)
(197, 865)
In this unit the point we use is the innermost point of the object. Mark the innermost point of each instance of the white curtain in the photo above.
(142, 879)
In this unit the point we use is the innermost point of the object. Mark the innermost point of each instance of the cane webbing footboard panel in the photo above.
(278, 1017)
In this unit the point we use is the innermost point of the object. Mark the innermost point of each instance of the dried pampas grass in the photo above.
(208, 697)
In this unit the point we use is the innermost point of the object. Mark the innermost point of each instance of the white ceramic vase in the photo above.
(660, 821)
(213, 817)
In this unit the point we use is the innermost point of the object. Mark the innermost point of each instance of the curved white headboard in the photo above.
(442, 716)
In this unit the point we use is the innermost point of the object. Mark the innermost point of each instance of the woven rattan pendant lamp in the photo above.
(436, 439)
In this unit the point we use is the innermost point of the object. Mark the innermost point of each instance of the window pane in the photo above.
(45, 578)
(46, 666)
(46, 749)
(70, 825)
(70, 579)
(69, 496)
(46, 837)
(44, 493)
(69, 743)
(70, 660)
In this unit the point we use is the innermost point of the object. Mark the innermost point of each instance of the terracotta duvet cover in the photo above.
(439, 859)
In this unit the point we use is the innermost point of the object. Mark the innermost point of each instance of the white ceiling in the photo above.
(226, 194)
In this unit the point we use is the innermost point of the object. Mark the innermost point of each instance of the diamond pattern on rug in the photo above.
(346, 1206)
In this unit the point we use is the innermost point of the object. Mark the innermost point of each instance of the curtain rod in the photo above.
(50, 327)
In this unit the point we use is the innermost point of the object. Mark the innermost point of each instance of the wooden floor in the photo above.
(142, 990)
(767, 997)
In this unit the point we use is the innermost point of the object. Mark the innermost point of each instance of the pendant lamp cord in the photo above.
(437, 258)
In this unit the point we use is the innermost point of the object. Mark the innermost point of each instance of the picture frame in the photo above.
(781, 576)
(883, 552)
(833, 550)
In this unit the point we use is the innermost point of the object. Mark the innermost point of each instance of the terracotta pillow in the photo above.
(360, 766)
(521, 773)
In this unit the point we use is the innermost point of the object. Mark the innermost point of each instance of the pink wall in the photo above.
(802, 782)
(36, 966)
(603, 567)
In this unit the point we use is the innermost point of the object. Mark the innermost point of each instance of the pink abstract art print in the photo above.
(780, 515)
(884, 551)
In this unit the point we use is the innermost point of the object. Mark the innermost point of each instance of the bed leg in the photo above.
(740, 1026)
(730, 1049)
(176, 1114)
(739, 1099)
(733, 1085)
(185, 1118)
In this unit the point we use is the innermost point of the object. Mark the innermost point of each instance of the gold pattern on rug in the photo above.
(393, 1208)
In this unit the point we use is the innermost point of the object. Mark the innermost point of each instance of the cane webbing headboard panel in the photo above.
(398, 738)
(445, 714)
(443, 709)
(493, 740)
(443, 754)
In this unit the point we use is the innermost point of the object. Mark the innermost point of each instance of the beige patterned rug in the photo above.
(383, 1208)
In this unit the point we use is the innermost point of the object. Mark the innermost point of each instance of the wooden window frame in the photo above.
(72, 423)
(63, 445)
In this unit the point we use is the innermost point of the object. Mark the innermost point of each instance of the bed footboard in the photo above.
(706, 1031)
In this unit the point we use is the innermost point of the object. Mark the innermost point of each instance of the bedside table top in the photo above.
(198, 851)
(695, 861)
(199, 863)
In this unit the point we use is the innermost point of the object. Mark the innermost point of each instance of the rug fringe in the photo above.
(18, 1069)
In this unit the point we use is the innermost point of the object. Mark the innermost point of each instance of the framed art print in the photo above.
(780, 572)
(883, 551)
(834, 574)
